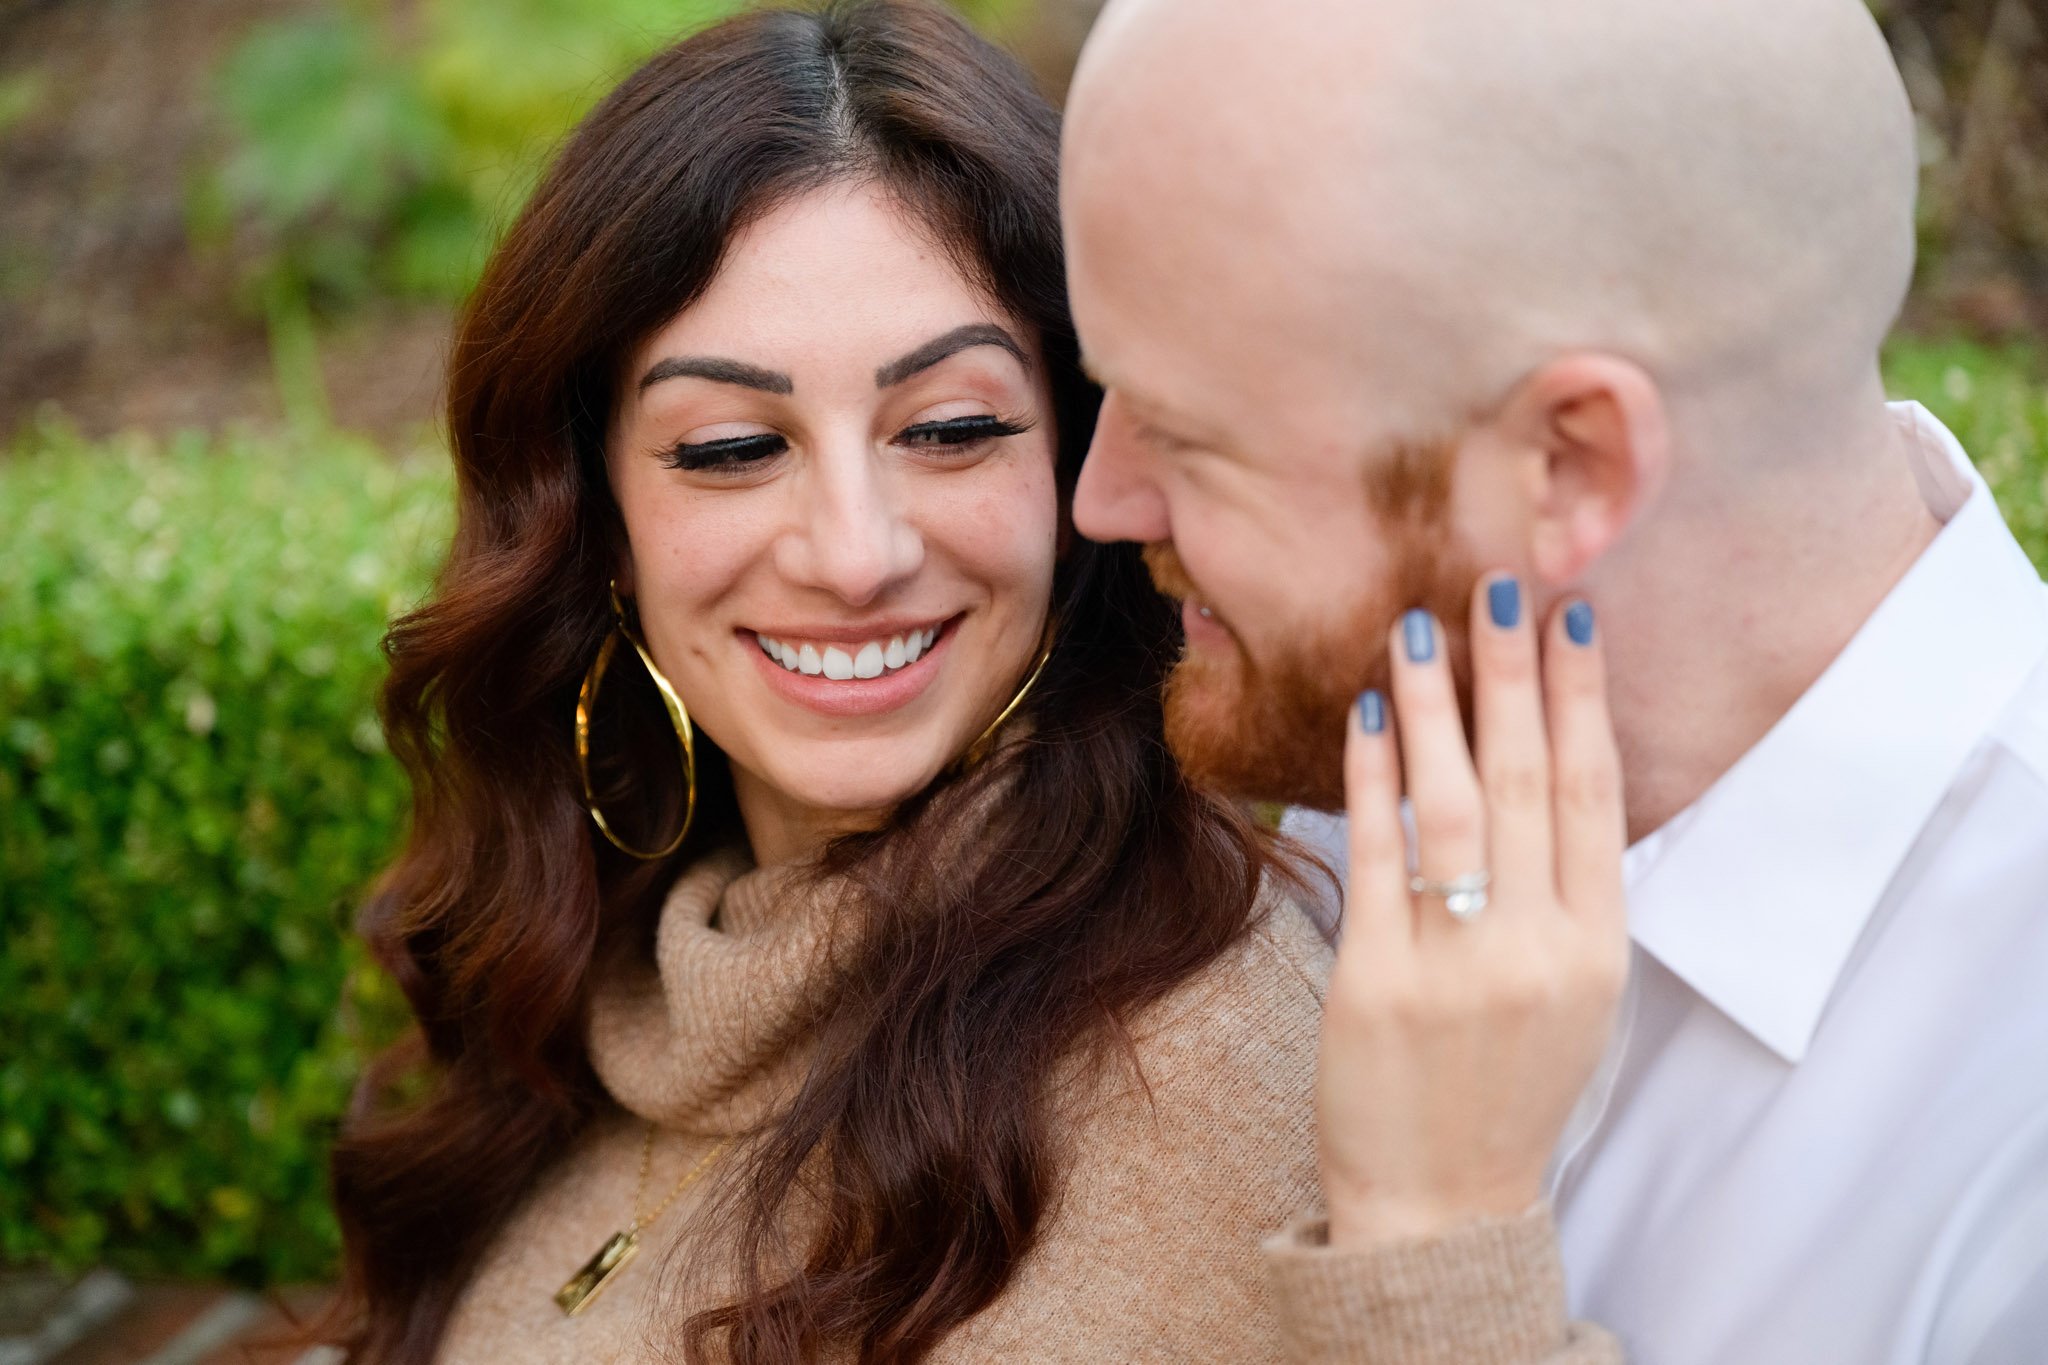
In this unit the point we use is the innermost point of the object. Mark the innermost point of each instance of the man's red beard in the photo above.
(1272, 728)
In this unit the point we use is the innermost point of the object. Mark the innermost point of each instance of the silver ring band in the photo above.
(1463, 896)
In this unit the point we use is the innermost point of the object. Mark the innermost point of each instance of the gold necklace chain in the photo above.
(585, 1285)
(689, 1179)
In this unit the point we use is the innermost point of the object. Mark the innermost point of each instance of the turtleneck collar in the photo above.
(706, 1038)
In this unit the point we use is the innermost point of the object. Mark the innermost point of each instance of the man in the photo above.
(1384, 293)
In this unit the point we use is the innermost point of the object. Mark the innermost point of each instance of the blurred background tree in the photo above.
(1978, 74)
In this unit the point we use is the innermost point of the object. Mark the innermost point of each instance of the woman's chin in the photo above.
(859, 795)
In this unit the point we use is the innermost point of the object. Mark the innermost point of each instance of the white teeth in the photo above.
(869, 660)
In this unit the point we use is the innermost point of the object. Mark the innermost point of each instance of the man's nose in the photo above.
(1116, 497)
(855, 540)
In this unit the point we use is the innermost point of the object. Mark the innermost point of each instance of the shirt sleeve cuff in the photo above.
(1488, 1293)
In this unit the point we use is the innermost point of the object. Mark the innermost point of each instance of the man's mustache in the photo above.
(1169, 575)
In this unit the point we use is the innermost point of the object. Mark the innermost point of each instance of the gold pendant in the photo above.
(597, 1272)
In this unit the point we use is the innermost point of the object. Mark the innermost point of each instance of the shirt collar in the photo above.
(1756, 894)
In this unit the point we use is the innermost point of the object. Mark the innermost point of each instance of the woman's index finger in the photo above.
(1585, 764)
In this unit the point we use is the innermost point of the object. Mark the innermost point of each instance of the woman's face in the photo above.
(837, 474)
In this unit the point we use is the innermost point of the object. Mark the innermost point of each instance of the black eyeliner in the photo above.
(733, 450)
(958, 431)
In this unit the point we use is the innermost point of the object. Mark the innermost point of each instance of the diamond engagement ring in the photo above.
(1463, 896)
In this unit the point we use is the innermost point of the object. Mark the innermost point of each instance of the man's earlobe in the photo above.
(1598, 424)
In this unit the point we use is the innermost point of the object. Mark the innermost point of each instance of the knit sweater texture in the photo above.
(1178, 1234)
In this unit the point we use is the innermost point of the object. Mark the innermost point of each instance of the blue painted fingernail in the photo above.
(1504, 601)
(1578, 622)
(1372, 711)
(1418, 636)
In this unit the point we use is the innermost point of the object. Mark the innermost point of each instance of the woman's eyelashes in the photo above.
(733, 452)
(959, 432)
(730, 452)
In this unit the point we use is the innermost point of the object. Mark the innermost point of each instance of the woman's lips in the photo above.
(854, 696)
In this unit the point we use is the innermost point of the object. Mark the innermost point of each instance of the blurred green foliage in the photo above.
(193, 794)
(20, 94)
(377, 150)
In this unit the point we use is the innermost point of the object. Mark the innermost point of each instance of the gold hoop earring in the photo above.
(979, 750)
(678, 715)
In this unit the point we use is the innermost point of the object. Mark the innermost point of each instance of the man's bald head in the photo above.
(1437, 195)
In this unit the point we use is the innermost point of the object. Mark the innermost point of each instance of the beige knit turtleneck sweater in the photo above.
(1166, 1244)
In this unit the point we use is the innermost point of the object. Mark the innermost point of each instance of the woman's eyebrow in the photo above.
(719, 371)
(950, 343)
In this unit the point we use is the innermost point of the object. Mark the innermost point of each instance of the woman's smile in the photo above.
(851, 671)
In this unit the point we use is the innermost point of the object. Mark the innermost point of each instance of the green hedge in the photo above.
(193, 792)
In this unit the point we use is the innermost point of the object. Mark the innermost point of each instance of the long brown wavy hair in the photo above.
(1096, 879)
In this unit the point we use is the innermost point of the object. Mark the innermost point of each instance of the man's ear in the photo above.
(1600, 430)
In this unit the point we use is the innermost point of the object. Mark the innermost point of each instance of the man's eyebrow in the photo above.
(1153, 424)
(951, 343)
(718, 371)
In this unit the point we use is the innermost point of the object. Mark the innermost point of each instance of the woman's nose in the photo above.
(855, 540)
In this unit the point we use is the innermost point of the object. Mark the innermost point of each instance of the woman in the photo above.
(816, 952)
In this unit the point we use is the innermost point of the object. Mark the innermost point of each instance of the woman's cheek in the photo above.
(1009, 520)
(692, 556)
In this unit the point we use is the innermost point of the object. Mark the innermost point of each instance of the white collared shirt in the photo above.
(1821, 1136)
